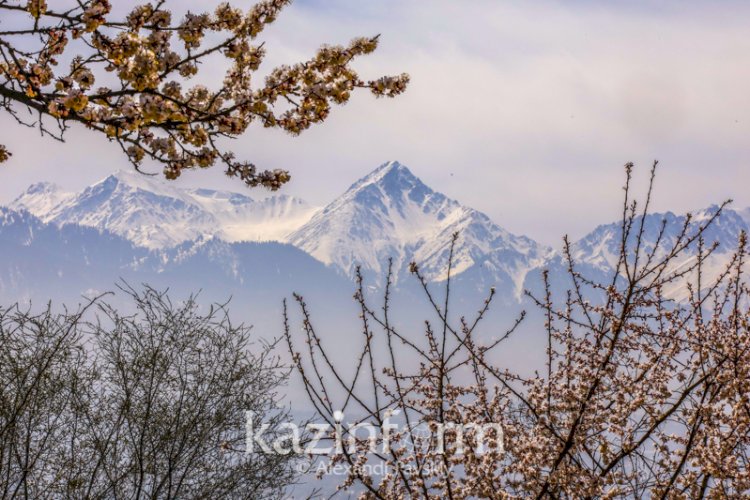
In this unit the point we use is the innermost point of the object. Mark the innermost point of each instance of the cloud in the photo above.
(524, 110)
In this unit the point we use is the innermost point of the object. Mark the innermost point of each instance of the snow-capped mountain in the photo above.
(41, 199)
(600, 248)
(391, 213)
(154, 214)
(44, 261)
(596, 254)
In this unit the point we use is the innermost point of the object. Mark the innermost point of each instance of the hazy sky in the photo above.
(524, 110)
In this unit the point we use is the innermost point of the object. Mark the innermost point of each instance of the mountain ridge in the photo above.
(157, 215)
(388, 213)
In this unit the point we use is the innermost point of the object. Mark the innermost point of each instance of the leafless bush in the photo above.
(42, 364)
(145, 404)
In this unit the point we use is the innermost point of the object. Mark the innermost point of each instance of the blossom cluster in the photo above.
(147, 59)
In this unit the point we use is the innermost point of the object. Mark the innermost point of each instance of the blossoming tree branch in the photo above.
(129, 78)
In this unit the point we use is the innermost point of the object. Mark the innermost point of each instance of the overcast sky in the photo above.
(524, 110)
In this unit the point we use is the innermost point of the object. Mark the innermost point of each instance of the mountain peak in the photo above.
(391, 184)
(391, 174)
(42, 187)
(130, 179)
(387, 167)
(392, 213)
(40, 198)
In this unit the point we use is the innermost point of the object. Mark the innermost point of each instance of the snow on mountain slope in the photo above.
(41, 198)
(745, 214)
(391, 213)
(44, 261)
(243, 219)
(596, 254)
(154, 214)
(134, 207)
(601, 246)
(388, 213)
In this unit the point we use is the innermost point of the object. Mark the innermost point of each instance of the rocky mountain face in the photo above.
(392, 214)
